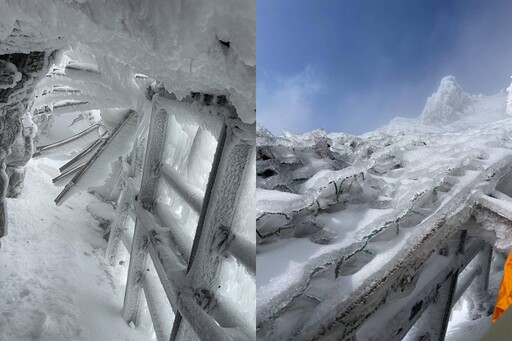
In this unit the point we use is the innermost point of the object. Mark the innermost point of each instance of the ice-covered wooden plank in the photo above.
(210, 118)
(159, 309)
(494, 216)
(69, 144)
(146, 196)
(229, 316)
(94, 172)
(127, 241)
(60, 95)
(118, 226)
(205, 327)
(80, 158)
(69, 106)
(171, 220)
(187, 190)
(162, 234)
(64, 178)
(245, 251)
(232, 157)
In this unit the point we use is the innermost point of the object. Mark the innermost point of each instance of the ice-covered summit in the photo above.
(450, 103)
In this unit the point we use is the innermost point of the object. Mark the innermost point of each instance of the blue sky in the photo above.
(352, 65)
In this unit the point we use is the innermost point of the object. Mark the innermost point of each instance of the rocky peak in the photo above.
(448, 104)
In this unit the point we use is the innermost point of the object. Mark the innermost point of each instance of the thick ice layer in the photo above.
(202, 46)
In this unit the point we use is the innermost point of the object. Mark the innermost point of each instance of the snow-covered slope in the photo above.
(55, 285)
(335, 211)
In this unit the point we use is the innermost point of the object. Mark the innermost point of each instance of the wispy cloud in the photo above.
(287, 102)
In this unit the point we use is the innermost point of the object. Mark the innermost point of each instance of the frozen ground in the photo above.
(54, 282)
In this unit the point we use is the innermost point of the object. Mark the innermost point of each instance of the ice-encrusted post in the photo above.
(118, 226)
(147, 194)
(438, 314)
(479, 293)
(229, 171)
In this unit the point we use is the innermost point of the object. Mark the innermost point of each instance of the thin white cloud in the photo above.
(287, 102)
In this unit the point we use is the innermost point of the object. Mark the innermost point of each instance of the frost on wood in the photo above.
(362, 215)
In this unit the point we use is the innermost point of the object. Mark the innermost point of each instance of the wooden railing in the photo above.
(186, 265)
(414, 294)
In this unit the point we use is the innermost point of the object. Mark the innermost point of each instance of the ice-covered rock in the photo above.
(450, 103)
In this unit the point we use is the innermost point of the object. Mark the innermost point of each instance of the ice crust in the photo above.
(336, 212)
(182, 44)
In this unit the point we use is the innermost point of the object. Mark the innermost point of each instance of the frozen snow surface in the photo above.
(53, 279)
(335, 210)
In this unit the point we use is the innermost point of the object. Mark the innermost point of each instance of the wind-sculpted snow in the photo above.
(336, 213)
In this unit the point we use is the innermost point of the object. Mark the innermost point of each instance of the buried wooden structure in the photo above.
(410, 294)
(175, 269)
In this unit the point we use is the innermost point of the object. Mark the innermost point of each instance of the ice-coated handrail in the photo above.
(47, 149)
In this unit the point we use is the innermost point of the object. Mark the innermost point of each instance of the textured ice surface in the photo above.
(9, 75)
(335, 210)
(203, 46)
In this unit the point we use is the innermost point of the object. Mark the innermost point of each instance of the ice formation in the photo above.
(346, 224)
(152, 106)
